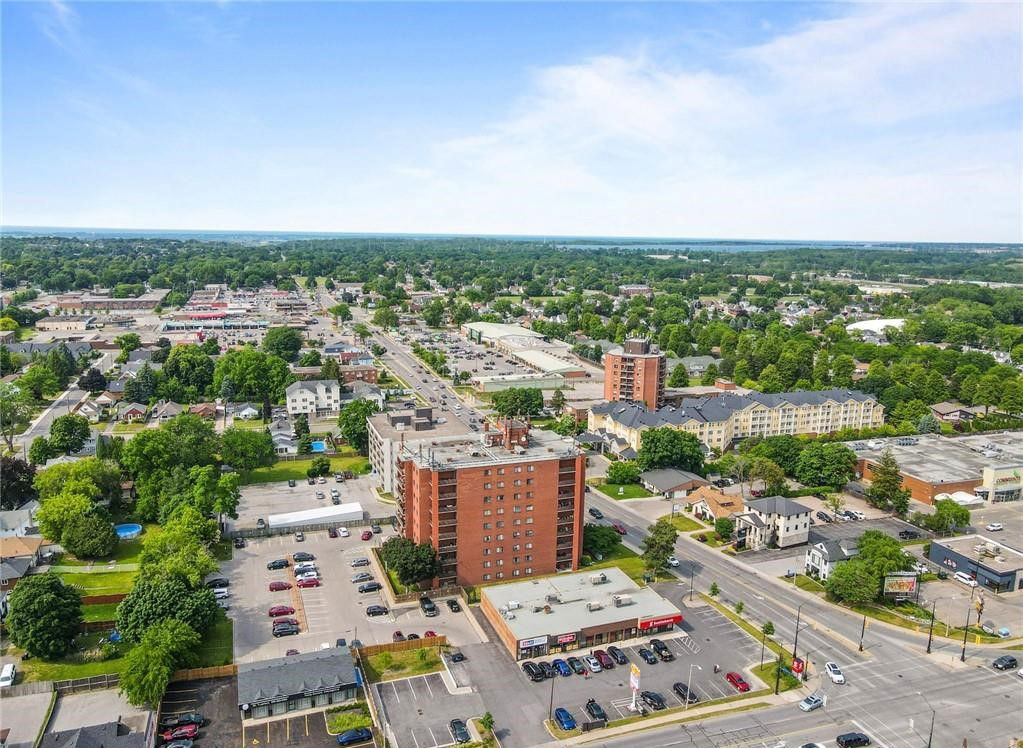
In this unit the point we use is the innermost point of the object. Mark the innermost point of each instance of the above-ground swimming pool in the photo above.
(318, 446)
(127, 532)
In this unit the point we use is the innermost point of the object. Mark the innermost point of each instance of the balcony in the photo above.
(566, 483)
(565, 505)
(567, 546)
(447, 482)
(447, 523)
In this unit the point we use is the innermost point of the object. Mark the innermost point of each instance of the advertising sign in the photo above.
(536, 641)
(660, 621)
(566, 638)
(634, 677)
(901, 584)
(797, 665)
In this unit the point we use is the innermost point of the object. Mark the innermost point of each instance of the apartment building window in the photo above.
(486, 564)
(500, 510)
(486, 577)
(500, 537)
(517, 522)
(500, 562)
(529, 494)
(486, 538)
(516, 534)
(500, 575)
(529, 570)
(517, 496)
(487, 485)
(518, 482)
(529, 481)
(500, 471)
(500, 497)
(516, 509)
(529, 557)
(515, 547)
(515, 559)
(518, 468)
(500, 524)
(486, 512)
(486, 551)
(515, 573)
(529, 520)
(499, 549)
(529, 468)
(487, 499)
(500, 484)
(486, 471)
(486, 525)
(529, 533)
(529, 507)
(529, 546)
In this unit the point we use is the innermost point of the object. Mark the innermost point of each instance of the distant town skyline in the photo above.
(790, 121)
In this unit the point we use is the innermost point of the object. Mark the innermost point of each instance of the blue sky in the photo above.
(759, 120)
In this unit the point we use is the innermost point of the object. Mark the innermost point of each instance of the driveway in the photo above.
(216, 699)
(418, 710)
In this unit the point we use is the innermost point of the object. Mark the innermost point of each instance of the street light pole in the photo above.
(795, 643)
(966, 632)
(863, 630)
(692, 577)
(930, 735)
(777, 676)
(689, 681)
(806, 665)
(930, 630)
(550, 711)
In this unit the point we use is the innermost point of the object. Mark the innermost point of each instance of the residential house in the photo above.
(204, 410)
(822, 558)
(130, 412)
(18, 555)
(696, 366)
(710, 504)
(19, 522)
(109, 735)
(772, 522)
(90, 409)
(953, 412)
(363, 391)
(115, 387)
(245, 411)
(321, 397)
(108, 399)
(166, 410)
(670, 482)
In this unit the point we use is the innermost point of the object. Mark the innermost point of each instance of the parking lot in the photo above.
(1008, 513)
(706, 639)
(261, 500)
(306, 730)
(334, 610)
(216, 699)
(419, 710)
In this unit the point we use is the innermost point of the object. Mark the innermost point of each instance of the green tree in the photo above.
(784, 450)
(724, 527)
(39, 382)
(153, 600)
(362, 331)
(825, 464)
(885, 490)
(245, 449)
(68, 433)
(433, 313)
(352, 423)
(340, 312)
(175, 552)
(1012, 397)
(210, 346)
(191, 366)
(142, 388)
(165, 647)
(320, 466)
(666, 447)
(254, 375)
(330, 369)
(128, 342)
(948, 515)
(558, 401)
(385, 317)
(89, 536)
(770, 380)
(39, 451)
(16, 482)
(58, 512)
(842, 368)
(518, 401)
(714, 590)
(989, 391)
(418, 565)
(16, 410)
(852, 582)
(835, 502)
(928, 424)
(882, 554)
(311, 358)
(679, 376)
(600, 541)
(92, 380)
(394, 549)
(768, 471)
(659, 544)
(283, 342)
(44, 616)
(99, 479)
(623, 472)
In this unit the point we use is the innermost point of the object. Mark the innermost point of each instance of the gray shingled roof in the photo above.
(109, 735)
(666, 479)
(777, 505)
(308, 672)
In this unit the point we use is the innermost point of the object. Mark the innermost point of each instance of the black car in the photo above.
(453, 606)
(218, 584)
(648, 657)
(412, 637)
(457, 657)
(459, 731)
(662, 650)
(577, 665)
(532, 672)
(362, 576)
(617, 655)
(1005, 662)
(303, 556)
(239, 542)
(311, 481)
(682, 691)
(291, 483)
(287, 629)
(278, 563)
(370, 587)
(185, 718)
(908, 534)
(596, 711)
(376, 610)
(852, 740)
(824, 517)
(547, 669)
(596, 513)
(428, 606)
(653, 700)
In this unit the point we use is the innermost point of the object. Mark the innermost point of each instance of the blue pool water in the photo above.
(127, 532)
(319, 446)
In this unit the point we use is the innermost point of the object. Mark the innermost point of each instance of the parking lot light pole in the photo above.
(689, 682)
(550, 711)
(795, 643)
(863, 630)
(966, 632)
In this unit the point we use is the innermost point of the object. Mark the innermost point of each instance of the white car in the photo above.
(672, 561)
(994, 527)
(305, 566)
(834, 672)
(307, 575)
(964, 578)
(343, 532)
(592, 663)
(221, 594)
(920, 568)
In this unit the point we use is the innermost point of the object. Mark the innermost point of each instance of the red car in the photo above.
(429, 634)
(177, 733)
(307, 583)
(291, 652)
(289, 621)
(618, 526)
(736, 680)
(278, 586)
(281, 610)
(367, 535)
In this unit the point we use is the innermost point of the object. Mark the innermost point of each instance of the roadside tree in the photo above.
(44, 615)
(68, 433)
(659, 544)
(667, 447)
(623, 472)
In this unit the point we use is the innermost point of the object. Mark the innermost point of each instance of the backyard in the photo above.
(296, 469)
(620, 490)
(100, 583)
(391, 665)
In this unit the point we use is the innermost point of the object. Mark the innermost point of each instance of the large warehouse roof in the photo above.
(546, 363)
(496, 330)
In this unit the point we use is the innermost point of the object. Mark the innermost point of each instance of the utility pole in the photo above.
(692, 576)
(550, 711)
(966, 632)
(863, 630)
(795, 643)
(777, 677)
(930, 629)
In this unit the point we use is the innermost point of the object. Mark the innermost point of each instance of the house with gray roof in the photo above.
(822, 558)
(108, 735)
(19, 522)
(773, 521)
(671, 483)
(303, 681)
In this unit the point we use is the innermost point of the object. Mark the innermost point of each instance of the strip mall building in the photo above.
(541, 617)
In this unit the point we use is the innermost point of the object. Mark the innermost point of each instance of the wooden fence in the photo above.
(26, 689)
(94, 683)
(410, 597)
(205, 673)
(405, 646)
(103, 599)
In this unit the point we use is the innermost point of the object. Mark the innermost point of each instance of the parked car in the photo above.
(221, 593)
(994, 527)
(604, 659)
(332, 533)
(682, 691)
(218, 583)
(239, 542)
(410, 637)
(376, 610)
(737, 681)
(834, 672)
(547, 669)
(429, 633)
(908, 534)
(564, 719)
(311, 481)
(457, 657)
(370, 587)
(308, 582)
(302, 556)
(595, 710)
(577, 665)
(279, 586)
(362, 576)
(304, 566)
(321, 495)
(824, 517)
(397, 636)
(648, 657)
(278, 563)
(355, 736)
(343, 532)
(187, 731)
(811, 702)
(260, 524)
(366, 535)
(299, 537)
(183, 743)
(285, 620)
(428, 606)
(596, 513)
(562, 667)
(592, 663)
(1005, 662)
(453, 605)
(184, 718)
(357, 562)
(617, 655)
(335, 500)
(618, 527)
(376, 529)
(459, 731)
(281, 610)
(338, 477)
(653, 700)
(662, 650)
(532, 671)
(291, 652)
(852, 740)
(964, 578)
(291, 483)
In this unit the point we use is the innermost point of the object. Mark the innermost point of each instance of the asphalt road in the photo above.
(63, 405)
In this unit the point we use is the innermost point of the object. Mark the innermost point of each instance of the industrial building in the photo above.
(542, 617)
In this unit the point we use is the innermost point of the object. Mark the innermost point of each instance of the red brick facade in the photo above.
(635, 374)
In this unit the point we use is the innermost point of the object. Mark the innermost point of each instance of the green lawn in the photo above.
(629, 562)
(86, 661)
(223, 550)
(127, 551)
(628, 490)
(128, 428)
(254, 424)
(217, 644)
(105, 612)
(804, 582)
(682, 523)
(342, 718)
(712, 539)
(296, 470)
(391, 665)
(102, 583)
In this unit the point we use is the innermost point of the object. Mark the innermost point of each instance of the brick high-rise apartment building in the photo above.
(505, 504)
(634, 373)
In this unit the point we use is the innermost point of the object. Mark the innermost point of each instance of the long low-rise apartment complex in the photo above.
(720, 421)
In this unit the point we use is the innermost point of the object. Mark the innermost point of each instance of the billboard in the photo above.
(633, 677)
(901, 584)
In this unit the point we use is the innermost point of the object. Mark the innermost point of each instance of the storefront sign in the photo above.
(566, 638)
(536, 641)
(634, 677)
(658, 622)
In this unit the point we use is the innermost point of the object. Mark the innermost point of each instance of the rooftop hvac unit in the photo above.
(598, 578)
(622, 600)
(514, 605)
(474, 453)
(552, 598)
(510, 617)
(537, 608)
(594, 605)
